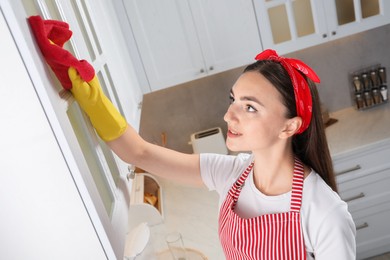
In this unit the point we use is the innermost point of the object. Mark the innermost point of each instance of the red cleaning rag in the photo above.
(58, 58)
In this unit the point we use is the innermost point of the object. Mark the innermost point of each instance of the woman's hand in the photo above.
(105, 118)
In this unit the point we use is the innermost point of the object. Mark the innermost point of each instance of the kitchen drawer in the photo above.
(368, 190)
(373, 231)
(362, 161)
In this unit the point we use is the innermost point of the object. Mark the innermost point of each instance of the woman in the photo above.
(277, 202)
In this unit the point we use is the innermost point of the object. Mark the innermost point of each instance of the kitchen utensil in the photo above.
(176, 246)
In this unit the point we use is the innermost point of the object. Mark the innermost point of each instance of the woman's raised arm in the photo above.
(125, 141)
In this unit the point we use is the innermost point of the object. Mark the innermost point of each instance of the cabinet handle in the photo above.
(355, 168)
(324, 35)
(359, 196)
(211, 68)
(364, 225)
(334, 33)
(131, 174)
(201, 70)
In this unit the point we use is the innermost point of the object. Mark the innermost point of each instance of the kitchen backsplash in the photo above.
(198, 105)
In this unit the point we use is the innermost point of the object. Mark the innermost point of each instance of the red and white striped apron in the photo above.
(271, 236)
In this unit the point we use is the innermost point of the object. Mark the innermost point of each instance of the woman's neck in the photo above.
(273, 172)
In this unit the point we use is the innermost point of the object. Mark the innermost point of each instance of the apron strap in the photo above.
(297, 186)
(238, 184)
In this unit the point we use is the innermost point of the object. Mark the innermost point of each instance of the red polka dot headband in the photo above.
(302, 93)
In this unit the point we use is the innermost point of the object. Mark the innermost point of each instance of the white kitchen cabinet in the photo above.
(182, 40)
(43, 215)
(291, 25)
(363, 178)
(74, 192)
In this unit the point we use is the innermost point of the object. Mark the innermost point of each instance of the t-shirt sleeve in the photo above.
(219, 171)
(336, 235)
(329, 229)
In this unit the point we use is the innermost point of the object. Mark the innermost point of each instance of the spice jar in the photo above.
(376, 96)
(374, 78)
(384, 92)
(368, 98)
(366, 81)
(357, 83)
(359, 101)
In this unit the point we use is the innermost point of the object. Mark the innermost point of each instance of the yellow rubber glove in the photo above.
(105, 118)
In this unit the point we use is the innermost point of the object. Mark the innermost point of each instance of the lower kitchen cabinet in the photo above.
(363, 178)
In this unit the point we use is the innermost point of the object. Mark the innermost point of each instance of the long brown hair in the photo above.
(311, 146)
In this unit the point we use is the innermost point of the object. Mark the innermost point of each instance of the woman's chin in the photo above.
(232, 148)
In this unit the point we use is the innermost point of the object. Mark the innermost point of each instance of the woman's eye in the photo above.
(250, 108)
(231, 98)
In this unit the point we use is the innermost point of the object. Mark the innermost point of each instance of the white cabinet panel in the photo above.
(181, 40)
(98, 177)
(363, 180)
(227, 32)
(373, 231)
(42, 214)
(280, 22)
(291, 25)
(166, 39)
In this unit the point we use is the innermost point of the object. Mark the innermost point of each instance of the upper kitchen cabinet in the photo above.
(182, 40)
(290, 25)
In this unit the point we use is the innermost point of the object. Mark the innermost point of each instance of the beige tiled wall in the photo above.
(201, 104)
(184, 109)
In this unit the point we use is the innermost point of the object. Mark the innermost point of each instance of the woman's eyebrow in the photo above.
(248, 98)
(251, 98)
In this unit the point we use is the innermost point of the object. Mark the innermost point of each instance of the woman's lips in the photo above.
(232, 134)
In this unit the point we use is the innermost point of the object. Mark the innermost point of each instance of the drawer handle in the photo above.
(359, 196)
(355, 168)
(364, 225)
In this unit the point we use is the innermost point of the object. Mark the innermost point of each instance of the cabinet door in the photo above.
(290, 25)
(346, 17)
(167, 41)
(227, 32)
(42, 215)
(99, 175)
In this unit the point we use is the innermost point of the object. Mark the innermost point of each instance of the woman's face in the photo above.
(256, 116)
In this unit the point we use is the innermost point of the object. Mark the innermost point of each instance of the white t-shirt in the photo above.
(328, 228)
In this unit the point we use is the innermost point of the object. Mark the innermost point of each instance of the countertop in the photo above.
(357, 129)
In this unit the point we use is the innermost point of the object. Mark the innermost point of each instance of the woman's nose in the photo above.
(230, 115)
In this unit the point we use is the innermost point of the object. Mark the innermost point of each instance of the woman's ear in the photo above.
(292, 126)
